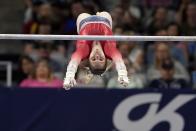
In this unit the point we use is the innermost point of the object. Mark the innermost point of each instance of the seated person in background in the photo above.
(137, 59)
(42, 77)
(167, 80)
(25, 69)
(138, 63)
(162, 51)
(179, 49)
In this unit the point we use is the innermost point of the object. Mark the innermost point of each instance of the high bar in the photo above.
(95, 37)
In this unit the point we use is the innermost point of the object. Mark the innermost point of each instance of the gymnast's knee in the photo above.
(80, 18)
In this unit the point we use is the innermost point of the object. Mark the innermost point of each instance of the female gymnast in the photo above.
(96, 52)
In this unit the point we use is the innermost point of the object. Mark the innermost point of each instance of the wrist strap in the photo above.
(121, 68)
(71, 69)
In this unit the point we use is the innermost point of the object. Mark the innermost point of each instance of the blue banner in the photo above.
(97, 110)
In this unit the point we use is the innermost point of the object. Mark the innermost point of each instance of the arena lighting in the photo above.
(95, 37)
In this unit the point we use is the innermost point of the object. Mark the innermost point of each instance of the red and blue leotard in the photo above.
(95, 25)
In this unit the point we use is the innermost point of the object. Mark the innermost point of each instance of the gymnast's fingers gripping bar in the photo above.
(95, 37)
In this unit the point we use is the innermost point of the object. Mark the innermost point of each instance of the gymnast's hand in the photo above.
(122, 73)
(123, 80)
(69, 80)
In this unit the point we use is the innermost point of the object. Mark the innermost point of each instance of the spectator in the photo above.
(184, 52)
(55, 51)
(59, 57)
(26, 68)
(162, 51)
(128, 6)
(181, 11)
(150, 47)
(178, 49)
(118, 30)
(31, 47)
(138, 67)
(43, 14)
(167, 79)
(77, 7)
(45, 49)
(116, 14)
(124, 49)
(130, 22)
(137, 58)
(69, 25)
(161, 32)
(159, 20)
(42, 49)
(189, 20)
(44, 28)
(173, 29)
(43, 77)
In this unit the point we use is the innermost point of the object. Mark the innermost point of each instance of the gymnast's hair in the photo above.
(98, 71)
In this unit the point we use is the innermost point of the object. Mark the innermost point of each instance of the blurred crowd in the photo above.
(149, 64)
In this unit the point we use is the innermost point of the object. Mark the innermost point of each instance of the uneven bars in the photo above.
(95, 37)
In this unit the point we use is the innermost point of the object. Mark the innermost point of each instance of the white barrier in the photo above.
(8, 66)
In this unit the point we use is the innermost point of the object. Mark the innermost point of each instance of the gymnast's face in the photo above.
(97, 57)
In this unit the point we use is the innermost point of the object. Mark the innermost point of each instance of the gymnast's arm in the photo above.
(112, 52)
(82, 51)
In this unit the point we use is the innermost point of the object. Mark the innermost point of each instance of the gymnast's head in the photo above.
(97, 59)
